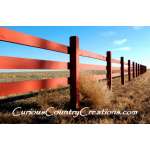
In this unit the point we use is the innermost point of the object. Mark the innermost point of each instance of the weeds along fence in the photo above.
(133, 69)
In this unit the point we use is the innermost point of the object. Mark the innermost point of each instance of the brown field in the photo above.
(134, 95)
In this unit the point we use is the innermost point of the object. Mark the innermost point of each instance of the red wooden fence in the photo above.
(74, 51)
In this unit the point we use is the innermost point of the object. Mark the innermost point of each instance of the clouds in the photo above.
(137, 27)
(120, 42)
(120, 45)
(125, 48)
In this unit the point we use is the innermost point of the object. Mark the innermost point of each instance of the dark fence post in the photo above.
(122, 70)
(136, 69)
(145, 69)
(140, 69)
(74, 72)
(133, 66)
(109, 69)
(129, 70)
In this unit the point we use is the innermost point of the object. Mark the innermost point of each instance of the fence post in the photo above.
(109, 69)
(136, 69)
(145, 69)
(140, 69)
(133, 66)
(122, 70)
(129, 70)
(74, 72)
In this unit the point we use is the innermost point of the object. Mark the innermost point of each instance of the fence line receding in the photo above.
(132, 69)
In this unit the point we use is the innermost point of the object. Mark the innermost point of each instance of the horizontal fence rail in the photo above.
(24, 87)
(92, 55)
(28, 40)
(26, 63)
(132, 69)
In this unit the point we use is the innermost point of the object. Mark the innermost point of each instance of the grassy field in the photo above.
(134, 95)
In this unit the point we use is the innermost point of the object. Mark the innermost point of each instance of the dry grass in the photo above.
(57, 98)
(94, 90)
(134, 95)
(19, 76)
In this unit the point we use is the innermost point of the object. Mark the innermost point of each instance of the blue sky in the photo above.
(131, 42)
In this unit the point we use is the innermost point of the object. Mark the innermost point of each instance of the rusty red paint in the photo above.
(129, 70)
(74, 72)
(25, 63)
(109, 70)
(92, 55)
(122, 70)
(142, 69)
(23, 87)
(74, 66)
(29, 40)
(139, 68)
(115, 61)
(136, 70)
(115, 68)
(133, 66)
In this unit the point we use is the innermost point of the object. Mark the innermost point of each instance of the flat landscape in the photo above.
(134, 95)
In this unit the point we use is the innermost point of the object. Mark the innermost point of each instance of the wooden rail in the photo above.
(73, 50)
